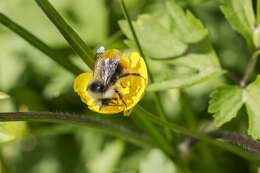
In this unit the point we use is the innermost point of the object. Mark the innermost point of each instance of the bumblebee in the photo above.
(117, 83)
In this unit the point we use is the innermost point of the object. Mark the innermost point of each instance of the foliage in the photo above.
(167, 35)
(201, 56)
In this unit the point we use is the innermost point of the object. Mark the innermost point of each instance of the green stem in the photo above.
(188, 113)
(109, 128)
(250, 68)
(156, 94)
(122, 3)
(204, 138)
(238, 139)
(40, 45)
(76, 43)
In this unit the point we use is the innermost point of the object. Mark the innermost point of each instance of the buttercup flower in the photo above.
(117, 83)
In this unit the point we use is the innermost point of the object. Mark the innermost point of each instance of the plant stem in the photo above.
(40, 45)
(232, 137)
(120, 131)
(248, 72)
(188, 113)
(203, 138)
(250, 68)
(237, 138)
(76, 43)
(156, 94)
(109, 128)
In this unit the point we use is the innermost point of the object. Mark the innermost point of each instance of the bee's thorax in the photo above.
(97, 87)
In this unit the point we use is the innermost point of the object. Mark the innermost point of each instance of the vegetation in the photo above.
(201, 110)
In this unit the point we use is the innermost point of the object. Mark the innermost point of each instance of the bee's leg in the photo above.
(132, 74)
(120, 96)
(106, 101)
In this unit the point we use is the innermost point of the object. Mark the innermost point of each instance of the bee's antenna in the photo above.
(100, 51)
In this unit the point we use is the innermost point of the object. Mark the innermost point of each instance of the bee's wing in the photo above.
(109, 68)
(98, 68)
(105, 67)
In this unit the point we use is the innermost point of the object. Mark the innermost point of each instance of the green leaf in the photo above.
(227, 100)
(167, 32)
(12, 130)
(59, 84)
(175, 38)
(3, 96)
(225, 103)
(5, 135)
(18, 129)
(76, 43)
(200, 64)
(155, 162)
(46, 163)
(240, 15)
(155, 39)
(253, 108)
(184, 25)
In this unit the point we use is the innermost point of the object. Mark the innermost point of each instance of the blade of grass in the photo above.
(83, 120)
(153, 132)
(76, 43)
(258, 12)
(156, 94)
(40, 45)
(184, 131)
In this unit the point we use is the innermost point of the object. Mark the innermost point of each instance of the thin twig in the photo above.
(250, 68)
(107, 127)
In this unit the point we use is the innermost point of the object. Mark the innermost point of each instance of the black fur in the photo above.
(97, 87)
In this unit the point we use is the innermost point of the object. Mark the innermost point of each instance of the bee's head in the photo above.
(97, 87)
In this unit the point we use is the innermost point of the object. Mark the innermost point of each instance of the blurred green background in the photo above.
(36, 83)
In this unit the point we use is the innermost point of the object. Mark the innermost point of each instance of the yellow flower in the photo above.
(130, 87)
